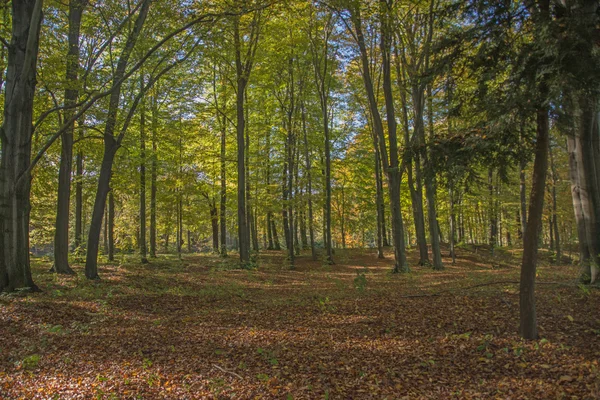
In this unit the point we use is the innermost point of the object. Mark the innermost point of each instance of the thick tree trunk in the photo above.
(61, 237)
(584, 156)
(15, 136)
(528, 326)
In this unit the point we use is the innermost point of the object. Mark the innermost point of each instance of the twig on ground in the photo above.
(227, 372)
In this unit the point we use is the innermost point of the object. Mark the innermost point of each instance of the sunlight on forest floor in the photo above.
(199, 328)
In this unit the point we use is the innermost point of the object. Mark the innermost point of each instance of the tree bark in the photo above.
(111, 145)
(243, 68)
(554, 226)
(214, 220)
(142, 242)
(528, 326)
(434, 233)
(391, 166)
(79, 194)
(584, 153)
(61, 237)
(154, 175)
(15, 137)
(223, 199)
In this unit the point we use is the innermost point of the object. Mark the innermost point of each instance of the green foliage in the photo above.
(31, 361)
(360, 282)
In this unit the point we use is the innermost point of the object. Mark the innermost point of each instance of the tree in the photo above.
(16, 135)
(61, 240)
(243, 67)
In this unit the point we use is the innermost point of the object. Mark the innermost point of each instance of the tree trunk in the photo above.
(91, 265)
(416, 193)
(276, 243)
(379, 201)
(242, 74)
(15, 135)
(493, 220)
(79, 194)
(142, 242)
(111, 145)
(554, 218)
(418, 100)
(523, 197)
(61, 237)
(214, 219)
(269, 232)
(528, 327)
(452, 224)
(223, 200)
(154, 173)
(584, 155)
(391, 167)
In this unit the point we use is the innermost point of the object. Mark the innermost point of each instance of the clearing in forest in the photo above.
(199, 328)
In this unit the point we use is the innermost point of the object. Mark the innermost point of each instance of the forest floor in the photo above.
(199, 328)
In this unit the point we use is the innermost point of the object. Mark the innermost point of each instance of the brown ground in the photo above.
(200, 329)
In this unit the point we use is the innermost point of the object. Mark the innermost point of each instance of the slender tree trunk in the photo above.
(79, 194)
(242, 74)
(111, 146)
(253, 239)
(430, 188)
(61, 237)
(523, 197)
(214, 220)
(416, 193)
(15, 137)
(493, 220)
(111, 225)
(105, 227)
(308, 166)
(452, 224)
(142, 242)
(391, 167)
(269, 232)
(270, 227)
(528, 327)
(223, 200)
(379, 201)
(154, 176)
